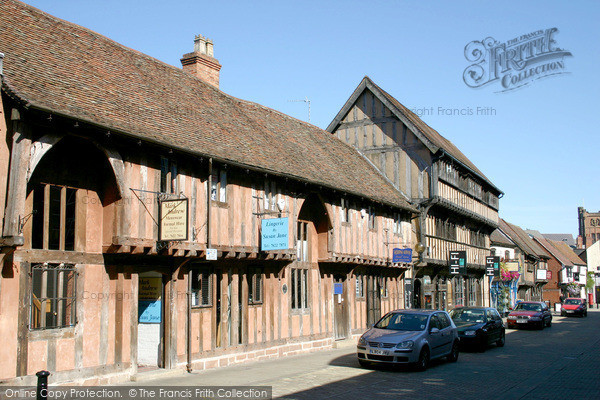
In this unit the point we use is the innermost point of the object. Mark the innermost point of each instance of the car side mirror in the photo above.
(434, 330)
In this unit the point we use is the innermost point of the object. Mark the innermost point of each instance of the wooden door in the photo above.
(373, 300)
(340, 313)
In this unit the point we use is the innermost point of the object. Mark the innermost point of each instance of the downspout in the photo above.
(210, 170)
(189, 323)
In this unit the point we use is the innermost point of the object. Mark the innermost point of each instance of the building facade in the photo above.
(458, 204)
(532, 260)
(152, 220)
(589, 228)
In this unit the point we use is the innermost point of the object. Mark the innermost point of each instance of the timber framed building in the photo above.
(98, 136)
(458, 204)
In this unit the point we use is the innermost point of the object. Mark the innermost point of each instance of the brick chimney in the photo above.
(201, 62)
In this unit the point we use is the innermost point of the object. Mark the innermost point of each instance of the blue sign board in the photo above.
(402, 255)
(150, 311)
(274, 234)
(338, 288)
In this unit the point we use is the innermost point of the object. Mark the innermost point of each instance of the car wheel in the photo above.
(423, 362)
(563, 314)
(542, 325)
(549, 324)
(500, 342)
(363, 363)
(585, 314)
(453, 356)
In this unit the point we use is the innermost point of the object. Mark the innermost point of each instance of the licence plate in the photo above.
(521, 321)
(378, 352)
(570, 311)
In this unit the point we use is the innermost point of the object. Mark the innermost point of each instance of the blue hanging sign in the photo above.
(274, 234)
(402, 255)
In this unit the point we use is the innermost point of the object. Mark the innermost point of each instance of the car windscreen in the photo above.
(403, 322)
(528, 307)
(473, 316)
(573, 301)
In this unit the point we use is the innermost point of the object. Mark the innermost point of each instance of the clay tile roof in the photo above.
(568, 252)
(63, 68)
(548, 245)
(522, 239)
(497, 237)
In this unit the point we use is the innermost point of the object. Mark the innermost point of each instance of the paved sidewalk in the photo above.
(557, 363)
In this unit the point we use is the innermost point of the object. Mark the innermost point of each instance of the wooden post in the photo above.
(17, 187)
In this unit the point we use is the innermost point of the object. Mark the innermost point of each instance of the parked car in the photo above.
(410, 337)
(530, 313)
(479, 327)
(574, 306)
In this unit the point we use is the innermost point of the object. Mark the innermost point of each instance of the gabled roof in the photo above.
(65, 69)
(522, 239)
(553, 251)
(568, 252)
(429, 136)
(499, 238)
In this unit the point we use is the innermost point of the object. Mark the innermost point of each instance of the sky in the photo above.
(539, 143)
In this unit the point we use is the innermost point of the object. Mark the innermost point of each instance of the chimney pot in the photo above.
(201, 63)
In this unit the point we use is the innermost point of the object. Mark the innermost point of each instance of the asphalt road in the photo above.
(560, 362)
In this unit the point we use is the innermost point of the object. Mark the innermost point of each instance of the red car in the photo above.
(530, 313)
(574, 306)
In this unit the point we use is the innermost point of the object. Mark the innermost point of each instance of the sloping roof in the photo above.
(568, 252)
(68, 70)
(497, 237)
(522, 239)
(556, 253)
(562, 237)
(429, 136)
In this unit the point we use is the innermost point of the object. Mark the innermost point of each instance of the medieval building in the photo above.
(458, 204)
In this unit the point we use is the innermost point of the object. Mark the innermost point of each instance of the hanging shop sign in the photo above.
(274, 234)
(492, 266)
(150, 300)
(402, 255)
(173, 217)
(458, 262)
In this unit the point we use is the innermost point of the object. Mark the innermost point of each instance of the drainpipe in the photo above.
(189, 323)
(210, 170)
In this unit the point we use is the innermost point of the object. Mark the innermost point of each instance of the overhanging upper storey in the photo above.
(419, 161)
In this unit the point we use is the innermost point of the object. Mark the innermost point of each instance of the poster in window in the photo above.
(149, 300)
(173, 218)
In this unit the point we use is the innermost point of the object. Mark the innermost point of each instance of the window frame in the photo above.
(359, 286)
(344, 211)
(302, 241)
(255, 285)
(299, 288)
(200, 296)
(218, 186)
(61, 233)
(168, 175)
(44, 273)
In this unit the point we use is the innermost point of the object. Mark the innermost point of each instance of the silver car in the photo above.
(409, 337)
